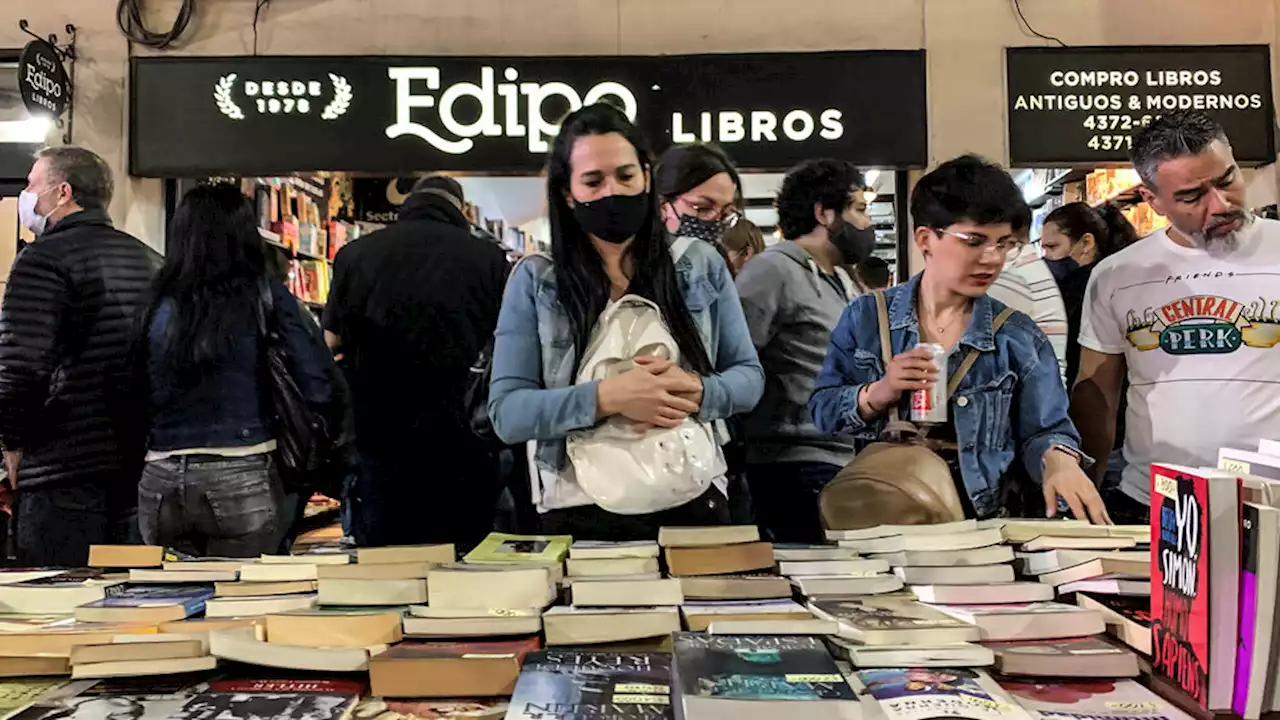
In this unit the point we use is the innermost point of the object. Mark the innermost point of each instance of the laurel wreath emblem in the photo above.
(341, 98)
(222, 96)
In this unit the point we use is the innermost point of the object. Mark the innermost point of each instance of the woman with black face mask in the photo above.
(609, 247)
(699, 192)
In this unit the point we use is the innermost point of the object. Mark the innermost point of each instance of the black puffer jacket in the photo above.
(67, 330)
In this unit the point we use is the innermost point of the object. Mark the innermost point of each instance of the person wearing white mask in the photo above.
(70, 423)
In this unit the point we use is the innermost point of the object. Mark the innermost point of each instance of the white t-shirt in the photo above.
(1198, 329)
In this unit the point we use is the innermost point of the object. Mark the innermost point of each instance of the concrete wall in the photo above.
(965, 41)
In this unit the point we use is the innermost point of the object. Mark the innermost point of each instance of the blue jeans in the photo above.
(785, 496)
(206, 505)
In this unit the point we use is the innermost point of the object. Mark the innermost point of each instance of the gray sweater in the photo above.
(791, 308)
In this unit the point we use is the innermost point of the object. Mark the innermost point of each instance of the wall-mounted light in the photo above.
(872, 176)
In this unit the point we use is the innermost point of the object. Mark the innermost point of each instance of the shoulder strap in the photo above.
(972, 357)
(886, 351)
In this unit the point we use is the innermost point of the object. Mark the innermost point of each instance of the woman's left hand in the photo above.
(1063, 477)
(694, 385)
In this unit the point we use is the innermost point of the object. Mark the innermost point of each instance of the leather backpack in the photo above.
(899, 480)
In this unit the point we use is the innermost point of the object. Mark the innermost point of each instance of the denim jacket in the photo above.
(222, 406)
(532, 395)
(1012, 402)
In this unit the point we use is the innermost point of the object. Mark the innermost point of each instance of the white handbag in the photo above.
(624, 470)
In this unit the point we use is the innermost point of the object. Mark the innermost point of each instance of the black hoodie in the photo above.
(414, 303)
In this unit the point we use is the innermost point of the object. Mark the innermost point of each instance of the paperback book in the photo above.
(585, 685)
(1090, 700)
(709, 668)
(921, 693)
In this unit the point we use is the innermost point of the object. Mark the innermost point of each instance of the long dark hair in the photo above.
(685, 167)
(1111, 231)
(213, 272)
(581, 282)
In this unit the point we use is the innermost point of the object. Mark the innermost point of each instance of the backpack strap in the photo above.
(972, 357)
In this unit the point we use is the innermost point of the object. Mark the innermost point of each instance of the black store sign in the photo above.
(398, 115)
(42, 81)
(1072, 106)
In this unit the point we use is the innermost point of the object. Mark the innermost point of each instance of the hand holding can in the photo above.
(929, 403)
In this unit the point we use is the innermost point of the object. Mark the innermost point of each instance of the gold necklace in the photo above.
(942, 329)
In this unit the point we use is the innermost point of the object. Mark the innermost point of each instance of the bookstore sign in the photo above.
(260, 115)
(1081, 106)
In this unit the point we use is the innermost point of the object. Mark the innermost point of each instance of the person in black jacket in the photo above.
(410, 308)
(68, 422)
(211, 486)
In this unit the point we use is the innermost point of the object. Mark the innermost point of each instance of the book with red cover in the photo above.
(1195, 519)
(289, 685)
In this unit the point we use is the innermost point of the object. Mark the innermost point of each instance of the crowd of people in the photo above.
(659, 366)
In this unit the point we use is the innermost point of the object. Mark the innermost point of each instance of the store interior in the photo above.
(308, 218)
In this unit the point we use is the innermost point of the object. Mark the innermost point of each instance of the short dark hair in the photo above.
(685, 167)
(971, 189)
(1178, 134)
(437, 183)
(88, 174)
(827, 183)
(874, 272)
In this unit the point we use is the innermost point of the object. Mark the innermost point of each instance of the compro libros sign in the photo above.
(1069, 106)
(257, 115)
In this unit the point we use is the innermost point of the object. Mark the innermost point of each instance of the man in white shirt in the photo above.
(1191, 315)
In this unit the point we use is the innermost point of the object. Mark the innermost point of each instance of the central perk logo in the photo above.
(1205, 325)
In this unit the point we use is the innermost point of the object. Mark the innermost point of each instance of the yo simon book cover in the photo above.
(1180, 579)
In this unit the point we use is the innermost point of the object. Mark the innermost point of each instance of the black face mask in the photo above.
(854, 244)
(1061, 268)
(615, 218)
(711, 231)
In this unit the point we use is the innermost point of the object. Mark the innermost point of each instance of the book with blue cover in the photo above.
(147, 603)
(568, 684)
(719, 676)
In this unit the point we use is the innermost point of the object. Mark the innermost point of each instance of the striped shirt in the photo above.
(1028, 286)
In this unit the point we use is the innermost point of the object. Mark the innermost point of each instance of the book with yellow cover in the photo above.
(507, 549)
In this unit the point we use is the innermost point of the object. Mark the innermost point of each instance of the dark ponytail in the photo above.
(1111, 231)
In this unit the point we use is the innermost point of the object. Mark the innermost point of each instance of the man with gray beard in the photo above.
(1189, 314)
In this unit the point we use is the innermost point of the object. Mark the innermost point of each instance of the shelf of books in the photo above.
(305, 222)
(1007, 619)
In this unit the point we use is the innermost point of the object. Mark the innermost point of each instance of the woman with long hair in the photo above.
(699, 192)
(1082, 235)
(607, 242)
(210, 486)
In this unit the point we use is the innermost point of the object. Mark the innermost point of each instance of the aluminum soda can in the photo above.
(929, 404)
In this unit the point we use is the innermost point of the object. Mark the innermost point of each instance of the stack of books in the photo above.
(715, 551)
(386, 576)
(823, 571)
(603, 574)
(136, 655)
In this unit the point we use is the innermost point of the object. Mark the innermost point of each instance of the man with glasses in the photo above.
(792, 295)
(1188, 314)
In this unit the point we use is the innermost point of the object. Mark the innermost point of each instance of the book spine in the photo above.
(1246, 638)
(1180, 565)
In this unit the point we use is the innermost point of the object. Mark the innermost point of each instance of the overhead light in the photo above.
(869, 196)
(31, 130)
(872, 176)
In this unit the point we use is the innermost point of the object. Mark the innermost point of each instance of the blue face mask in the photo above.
(1061, 268)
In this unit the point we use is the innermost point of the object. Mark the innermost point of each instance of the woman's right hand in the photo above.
(912, 370)
(646, 395)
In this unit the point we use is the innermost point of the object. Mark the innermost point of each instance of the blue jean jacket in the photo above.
(1012, 401)
(532, 395)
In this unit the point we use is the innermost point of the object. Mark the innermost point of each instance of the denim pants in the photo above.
(206, 505)
(785, 496)
(55, 526)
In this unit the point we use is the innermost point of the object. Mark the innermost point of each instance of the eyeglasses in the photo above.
(1008, 247)
(727, 214)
